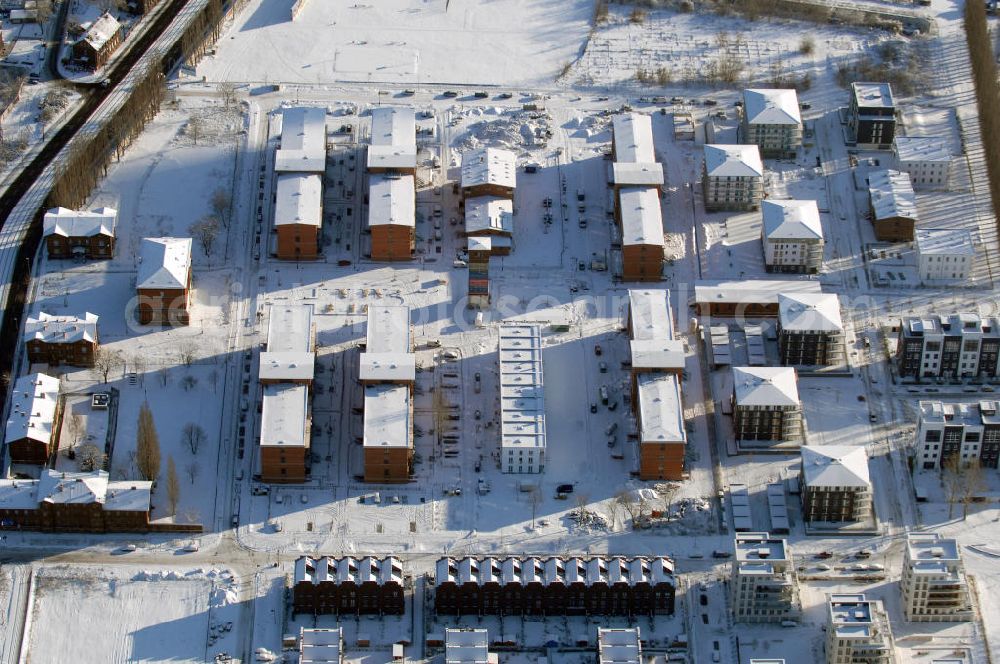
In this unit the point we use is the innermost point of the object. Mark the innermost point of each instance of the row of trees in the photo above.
(984, 74)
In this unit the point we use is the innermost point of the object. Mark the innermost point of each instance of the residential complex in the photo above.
(871, 118)
(31, 434)
(393, 146)
(953, 347)
(488, 172)
(80, 234)
(836, 485)
(810, 329)
(771, 120)
(892, 206)
(967, 432)
(792, 236)
(163, 284)
(522, 399)
(489, 176)
(944, 255)
(299, 166)
(933, 585)
(766, 404)
(392, 163)
(763, 579)
(348, 586)
(732, 177)
(857, 631)
(56, 340)
(926, 160)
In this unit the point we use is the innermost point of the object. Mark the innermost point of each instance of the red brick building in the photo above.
(348, 586)
(73, 234)
(31, 434)
(94, 48)
(163, 284)
(56, 340)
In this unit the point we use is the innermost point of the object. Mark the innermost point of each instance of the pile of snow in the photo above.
(587, 519)
(512, 131)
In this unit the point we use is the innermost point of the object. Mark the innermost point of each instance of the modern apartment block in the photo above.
(771, 120)
(871, 118)
(620, 645)
(763, 580)
(766, 404)
(926, 160)
(836, 484)
(732, 177)
(792, 236)
(522, 399)
(951, 347)
(970, 431)
(810, 329)
(934, 586)
(858, 631)
(944, 255)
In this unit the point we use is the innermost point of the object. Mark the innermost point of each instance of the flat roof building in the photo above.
(619, 645)
(290, 356)
(632, 152)
(763, 579)
(392, 216)
(968, 432)
(652, 346)
(662, 434)
(857, 631)
(321, 645)
(285, 425)
(748, 297)
(871, 117)
(522, 400)
(641, 223)
(467, 646)
(926, 160)
(944, 255)
(933, 584)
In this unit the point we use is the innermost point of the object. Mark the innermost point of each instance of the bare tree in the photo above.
(192, 470)
(205, 230)
(221, 203)
(213, 377)
(164, 374)
(627, 502)
(147, 445)
(193, 436)
(581, 500)
(535, 499)
(195, 128)
(974, 483)
(614, 510)
(90, 457)
(667, 492)
(106, 361)
(76, 428)
(227, 91)
(173, 486)
(139, 365)
(187, 352)
(951, 476)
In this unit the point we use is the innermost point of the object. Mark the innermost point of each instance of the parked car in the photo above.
(564, 488)
(721, 554)
(597, 349)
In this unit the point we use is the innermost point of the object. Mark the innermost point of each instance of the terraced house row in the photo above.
(345, 586)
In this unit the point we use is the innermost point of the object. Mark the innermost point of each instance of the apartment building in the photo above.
(31, 434)
(633, 154)
(56, 340)
(392, 208)
(836, 485)
(751, 298)
(641, 223)
(488, 172)
(621, 645)
(792, 236)
(299, 167)
(163, 284)
(763, 579)
(522, 399)
(771, 120)
(80, 234)
(489, 224)
(810, 329)
(892, 206)
(969, 431)
(393, 146)
(871, 118)
(732, 177)
(952, 347)
(857, 631)
(926, 160)
(766, 404)
(662, 434)
(944, 255)
(933, 584)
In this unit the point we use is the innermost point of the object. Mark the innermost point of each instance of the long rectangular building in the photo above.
(392, 216)
(952, 347)
(967, 431)
(633, 153)
(393, 140)
(290, 356)
(639, 215)
(299, 164)
(522, 401)
(748, 297)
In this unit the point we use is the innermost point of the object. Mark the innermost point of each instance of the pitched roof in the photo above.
(391, 200)
(489, 166)
(74, 223)
(633, 136)
(733, 161)
(771, 107)
(791, 220)
(642, 222)
(810, 312)
(765, 386)
(489, 214)
(101, 31)
(835, 465)
(164, 262)
(944, 241)
(61, 329)
(33, 408)
(891, 195)
(299, 200)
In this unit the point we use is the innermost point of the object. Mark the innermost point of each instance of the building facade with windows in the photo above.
(732, 177)
(771, 120)
(763, 579)
(766, 404)
(56, 340)
(969, 432)
(871, 118)
(933, 584)
(792, 236)
(952, 347)
(33, 419)
(944, 255)
(522, 399)
(163, 284)
(810, 329)
(836, 484)
(892, 206)
(857, 631)
(926, 160)
(80, 234)
(299, 168)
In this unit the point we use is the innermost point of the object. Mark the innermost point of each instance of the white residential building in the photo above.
(321, 645)
(926, 160)
(393, 140)
(467, 646)
(857, 631)
(732, 177)
(955, 346)
(836, 484)
(763, 581)
(968, 431)
(792, 235)
(619, 645)
(933, 584)
(944, 255)
(522, 401)
(771, 120)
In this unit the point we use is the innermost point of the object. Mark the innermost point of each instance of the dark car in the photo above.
(564, 488)
(597, 349)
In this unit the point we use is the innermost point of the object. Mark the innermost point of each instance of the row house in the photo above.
(771, 120)
(299, 169)
(56, 340)
(836, 484)
(766, 404)
(32, 425)
(732, 177)
(933, 584)
(969, 432)
(871, 117)
(952, 347)
(163, 283)
(80, 234)
(792, 236)
(554, 586)
(348, 586)
(810, 329)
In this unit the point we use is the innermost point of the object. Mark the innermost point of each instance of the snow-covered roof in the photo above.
(791, 220)
(388, 329)
(763, 291)
(522, 400)
(910, 149)
(290, 328)
(944, 242)
(284, 414)
(642, 222)
(733, 161)
(657, 354)
(466, 646)
(468, 570)
(633, 138)
(286, 366)
(771, 107)
(74, 223)
(981, 413)
(78, 489)
(387, 416)
(653, 345)
(299, 200)
(445, 571)
(72, 488)
(489, 214)
(810, 312)
(618, 645)
(128, 496)
(164, 263)
(489, 166)
(891, 195)
(391, 200)
(34, 400)
(393, 138)
(765, 386)
(931, 547)
(303, 141)
(101, 31)
(755, 547)
(61, 329)
(625, 174)
(555, 571)
(18, 494)
(661, 415)
(390, 367)
(661, 570)
(872, 95)
(835, 466)
(320, 645)
(479, 243)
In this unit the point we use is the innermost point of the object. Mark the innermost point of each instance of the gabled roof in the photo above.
(733, 161)
(661, 415)
(835, 465)
(61, 329)
(819, 312)
(72, 223)
(771, 107)
(791, 220)
(164, 262)
(642, 222)
(891, 195)
(299, 200)
(633, 135)
(393, 138)
(101, 31)
(919, 148)
(303, 141)
(391, 200)
(485, 214)
(33, 408)
(765, 386)
(489, 166)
